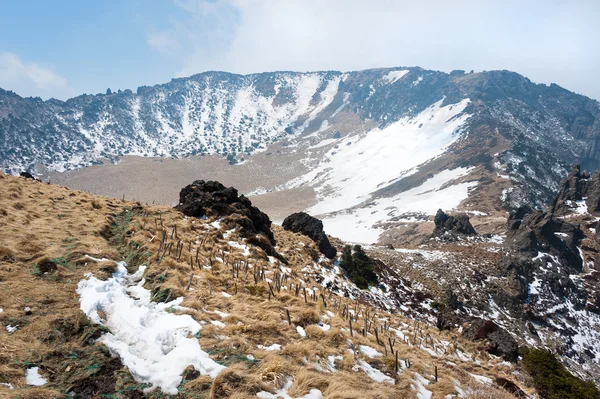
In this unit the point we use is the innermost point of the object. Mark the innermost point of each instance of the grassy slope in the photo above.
(46, 232)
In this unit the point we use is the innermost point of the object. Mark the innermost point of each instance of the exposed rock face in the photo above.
(542, 255)
(531, 231)
(451, 227)
(312, 227)
(499, 342)
(579, 193)
(214, 199)
(543, 263)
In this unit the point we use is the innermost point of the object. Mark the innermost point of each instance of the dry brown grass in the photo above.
(486, 392)
(63, 226)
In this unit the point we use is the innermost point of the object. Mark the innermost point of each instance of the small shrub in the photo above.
(358, 266)
(552, 380)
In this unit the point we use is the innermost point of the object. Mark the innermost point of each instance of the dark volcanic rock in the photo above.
(499, 342)
(27, 175)
(312, 227)
(214, 199)
(452, 226)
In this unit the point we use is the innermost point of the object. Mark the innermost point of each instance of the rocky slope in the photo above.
(535, 285)
(369, 150)
(109, 298)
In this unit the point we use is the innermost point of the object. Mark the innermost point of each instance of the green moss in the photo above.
(552, 380)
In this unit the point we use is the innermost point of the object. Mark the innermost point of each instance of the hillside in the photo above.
(81, 273)
(382, 149)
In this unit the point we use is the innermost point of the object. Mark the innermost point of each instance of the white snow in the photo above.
(154, 344)
(274, 347)
(370, 352)
(359, 225)
(11, 329)
(393, 76)
(301, 331)
(323, 326)
(283, 393)
(33, 377)
(482, 379)
(373, 373)
(99, 260)
(7, 384)
(421, 382)
(218, 323)
(361, 165)
(222, 314)
(226, 295)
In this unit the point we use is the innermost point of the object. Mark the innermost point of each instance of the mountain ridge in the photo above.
(513, 138)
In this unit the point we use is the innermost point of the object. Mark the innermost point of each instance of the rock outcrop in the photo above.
(312, 227)
(211, 198)
(579, 193)
(498, 341)
(452, 227)
(532, 231)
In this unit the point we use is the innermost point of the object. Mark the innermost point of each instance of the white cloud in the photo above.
(546, 41)
(31, 79)
(164, 42)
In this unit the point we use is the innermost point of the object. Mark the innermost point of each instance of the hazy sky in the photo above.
(68, 47)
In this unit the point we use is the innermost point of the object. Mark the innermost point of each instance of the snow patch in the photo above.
(154, 344)
(33, 377)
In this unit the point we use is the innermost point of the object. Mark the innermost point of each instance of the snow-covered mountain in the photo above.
(378, 147)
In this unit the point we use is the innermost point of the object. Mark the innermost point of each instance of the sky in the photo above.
(64, 48)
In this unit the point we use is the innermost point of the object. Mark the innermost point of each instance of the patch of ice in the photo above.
(150, 341)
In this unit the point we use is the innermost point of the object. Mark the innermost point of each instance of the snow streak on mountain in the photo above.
(375, 146)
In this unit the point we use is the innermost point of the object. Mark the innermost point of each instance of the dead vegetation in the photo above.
(56, 236)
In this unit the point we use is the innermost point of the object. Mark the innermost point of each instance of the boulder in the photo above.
(452, 226)
(211, 198)
(27, 175)
(311, 227)
(498, 341)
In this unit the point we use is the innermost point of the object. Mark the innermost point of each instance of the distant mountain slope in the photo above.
(355, 138)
